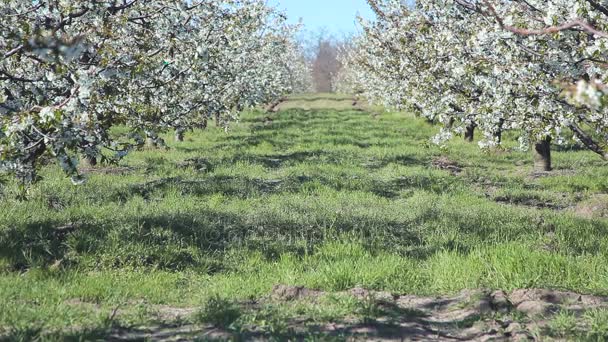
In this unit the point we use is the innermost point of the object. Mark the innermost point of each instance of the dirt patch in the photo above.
(530, 202)
(169, 313)
(471, 315)
(163, 313)
(443, 163)
(290, 293)
(83, 304)
(542, 302)
(362, 294)
(170, 333)
(595, 207)
(557, 172)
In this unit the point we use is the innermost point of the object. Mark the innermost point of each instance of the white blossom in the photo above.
(454, 62)
(71, 70)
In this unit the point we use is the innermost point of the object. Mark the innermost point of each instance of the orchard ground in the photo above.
(324, 220)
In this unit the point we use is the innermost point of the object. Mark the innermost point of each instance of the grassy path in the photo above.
(320, 194)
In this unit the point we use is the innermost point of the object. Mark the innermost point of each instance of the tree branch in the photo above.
(547, 30)
(598, 7)
(588, 141)
(13, 51)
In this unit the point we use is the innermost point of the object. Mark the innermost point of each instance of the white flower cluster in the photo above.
(71, 70)
(492, 65)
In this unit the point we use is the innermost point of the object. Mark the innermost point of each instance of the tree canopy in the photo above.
(492, 65)
(70, 71)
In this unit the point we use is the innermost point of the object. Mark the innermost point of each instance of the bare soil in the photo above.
(595, 207)
(471, 315)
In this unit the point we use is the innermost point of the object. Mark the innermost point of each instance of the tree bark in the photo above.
(588, 141)
(88, 161)
(179, 135)
(542, 155)
(498, 133)
(469, 133)
(150, 143)
(450, 123)
(272, 107)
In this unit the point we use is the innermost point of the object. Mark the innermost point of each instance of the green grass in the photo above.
(329, 198)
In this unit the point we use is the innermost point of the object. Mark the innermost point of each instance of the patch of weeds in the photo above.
(468, 321)
(42, 333)
(518, 316)
(597, 324)
(563, 324)
(155, 164)
(369, 309)
(270, 319)
(137, 314)
(219, 311)
(333, 307)
(22, 334)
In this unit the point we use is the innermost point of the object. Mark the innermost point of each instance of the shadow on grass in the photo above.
(277, 160)
(195, 238)
(191, 239)
(246, 187)
(38, 334)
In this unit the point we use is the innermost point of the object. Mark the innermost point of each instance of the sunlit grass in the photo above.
(325, 198)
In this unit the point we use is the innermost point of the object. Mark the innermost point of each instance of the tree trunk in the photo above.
(179, 135)
(450, 124)
(150, 143)
(469, 133)
(88, 161)
(498, 133)
(272, 107)
(542, 155)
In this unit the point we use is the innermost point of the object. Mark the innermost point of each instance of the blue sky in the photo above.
(337, 16)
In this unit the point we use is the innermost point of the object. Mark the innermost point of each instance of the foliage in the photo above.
(453, 62)
(219, 311)
(70, 71)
